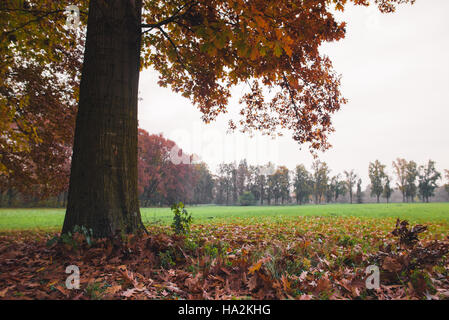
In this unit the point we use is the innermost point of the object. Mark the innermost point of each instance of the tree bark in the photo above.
(10, 197)
(103, 180)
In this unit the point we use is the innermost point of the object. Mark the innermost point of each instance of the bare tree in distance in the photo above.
(400, 169)
(351, 179)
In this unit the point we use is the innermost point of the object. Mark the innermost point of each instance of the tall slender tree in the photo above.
(387, 189)
(377, 175)
(284, 184)
(302, 184)
(351, 179)
(427, 183)
(359, 194)
(320, 180)
(261, 181)
(267, 172)
(411, 174)
(400, 169)
(253, 173)
(446, 186)
(242, 177)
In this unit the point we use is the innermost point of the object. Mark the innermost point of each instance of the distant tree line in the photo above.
(269, 184)
(167, 175)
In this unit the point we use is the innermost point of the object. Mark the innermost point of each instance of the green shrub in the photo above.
(181, 220)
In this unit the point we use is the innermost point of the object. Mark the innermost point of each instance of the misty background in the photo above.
(394, 71)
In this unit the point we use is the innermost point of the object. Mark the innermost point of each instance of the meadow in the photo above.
(52, 219)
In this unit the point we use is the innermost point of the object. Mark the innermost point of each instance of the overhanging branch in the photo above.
(173, 18)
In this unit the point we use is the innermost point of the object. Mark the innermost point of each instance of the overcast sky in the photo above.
(395, 74)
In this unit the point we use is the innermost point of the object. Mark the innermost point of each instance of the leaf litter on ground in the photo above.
(293, 258)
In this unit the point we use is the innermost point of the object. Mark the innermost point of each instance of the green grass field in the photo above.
(51, 219)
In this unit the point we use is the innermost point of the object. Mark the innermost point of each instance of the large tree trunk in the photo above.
(103, 180)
